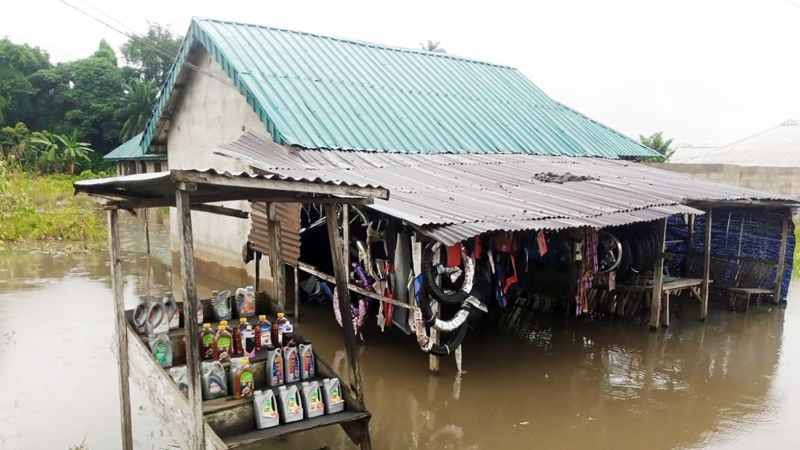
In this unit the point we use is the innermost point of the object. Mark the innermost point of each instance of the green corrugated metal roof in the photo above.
(321, 92)
(131, 150)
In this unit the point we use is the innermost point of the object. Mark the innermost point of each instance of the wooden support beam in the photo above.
(276, 258)
(197, 199)
(781, 263)
(307, 268)
(195, 429)
(121, 330)
(433, 360)
(258, 271)
(222, 210)
(658, 277)
(687, 263)
(276, 184)
(706, 264)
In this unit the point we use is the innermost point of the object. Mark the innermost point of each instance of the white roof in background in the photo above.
(776, 147)
(684, 154)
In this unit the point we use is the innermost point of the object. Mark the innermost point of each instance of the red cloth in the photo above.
(454, 255)
(478, 248)
(541, 242)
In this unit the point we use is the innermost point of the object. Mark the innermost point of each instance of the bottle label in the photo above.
(268, 408)
(265, 337)
(208, 339)
(214, 387)
(335, 396)
(160, 352)
(246, 384)
(292, 404)
(277, 370)
(315, 402)
(224, 343)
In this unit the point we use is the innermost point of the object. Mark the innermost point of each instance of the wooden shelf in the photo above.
(251, 437)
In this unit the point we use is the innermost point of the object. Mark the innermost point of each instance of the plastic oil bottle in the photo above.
(248, 337)
(266, 409)
(161, 347)
(223, 344)
(263, 333)
(243, 382)
(277, 330)
(308, 365)
(312, 399)
(246, 301)
(173, 313)
(237, 335)
(332, 395)
(215, 384)
(275, 375)
(289, 404)
(292, 359)
(206, 342)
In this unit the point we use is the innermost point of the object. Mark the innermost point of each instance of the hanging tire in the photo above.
(625, 262)
(429, 274)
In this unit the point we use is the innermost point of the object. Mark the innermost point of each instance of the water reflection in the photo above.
(560, 383)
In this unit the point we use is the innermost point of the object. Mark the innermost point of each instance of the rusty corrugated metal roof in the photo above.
(452, 197)
(289, 216)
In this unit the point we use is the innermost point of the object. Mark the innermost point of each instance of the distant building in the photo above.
(768, 161)
(130, 158)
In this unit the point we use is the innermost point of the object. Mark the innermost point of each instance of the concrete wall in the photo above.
(209, 113)
(782, 180)
(133, 167)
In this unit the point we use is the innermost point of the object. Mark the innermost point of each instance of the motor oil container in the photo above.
(243, 381)
(274, 366)
(178, 375)
(289, 404)
(221, 304)
(308, 365)
(214, 383)
(161, 347)
(173, 312)
(292, 359)
(206, 337)
(332, 395)
(263, 333)
(311, 394)
(266, 409)
(156, 318)
(246, 301)
(248, 336)
(140, 317)
(277, 330)
(223, 344)
(288, 334)
(227, 327)
(237, 335)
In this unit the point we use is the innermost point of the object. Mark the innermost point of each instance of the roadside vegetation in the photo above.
(43, 207)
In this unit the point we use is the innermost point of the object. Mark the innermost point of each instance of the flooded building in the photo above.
(130, 158)
(527, 204)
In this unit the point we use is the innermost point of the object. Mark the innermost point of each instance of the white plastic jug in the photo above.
(289, 404)
(312, 399)
(332, 395)
(266, 409)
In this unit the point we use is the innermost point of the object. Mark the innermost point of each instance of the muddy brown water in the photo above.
(729, 383)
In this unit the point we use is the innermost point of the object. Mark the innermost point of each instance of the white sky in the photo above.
(702, 71)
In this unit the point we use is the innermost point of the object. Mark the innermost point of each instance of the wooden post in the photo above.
(258, 271)
(147, 229)
(781, 266)
(658, 277)
(340, 270)
(706, 264)
(687, 264)
(433, 360)
(121, 329)
(296, 294)
(276, 258)
(195, 429)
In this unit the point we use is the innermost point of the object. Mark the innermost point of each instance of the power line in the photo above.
(144, 41)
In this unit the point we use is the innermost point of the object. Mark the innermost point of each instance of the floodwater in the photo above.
(731, 383)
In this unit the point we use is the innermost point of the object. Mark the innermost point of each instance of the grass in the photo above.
(44, 208)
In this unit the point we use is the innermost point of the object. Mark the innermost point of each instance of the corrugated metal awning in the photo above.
(452, 197)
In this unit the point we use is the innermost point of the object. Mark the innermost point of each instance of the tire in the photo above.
(638, 254)
(453, 298)
(625, 263)
(455, 340)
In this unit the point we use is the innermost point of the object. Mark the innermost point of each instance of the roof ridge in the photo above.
(356, 42)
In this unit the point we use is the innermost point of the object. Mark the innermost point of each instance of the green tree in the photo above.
(153, 53)
(73, 151)
(139, 100)
(17, 64)
(43, 149)
(432, 46)
(657, 142)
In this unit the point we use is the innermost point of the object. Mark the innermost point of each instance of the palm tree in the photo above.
(47, 157)
(73, 150)
(431, 46)
(140, 98)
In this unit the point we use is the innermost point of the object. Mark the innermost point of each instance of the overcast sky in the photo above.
(706, 72)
